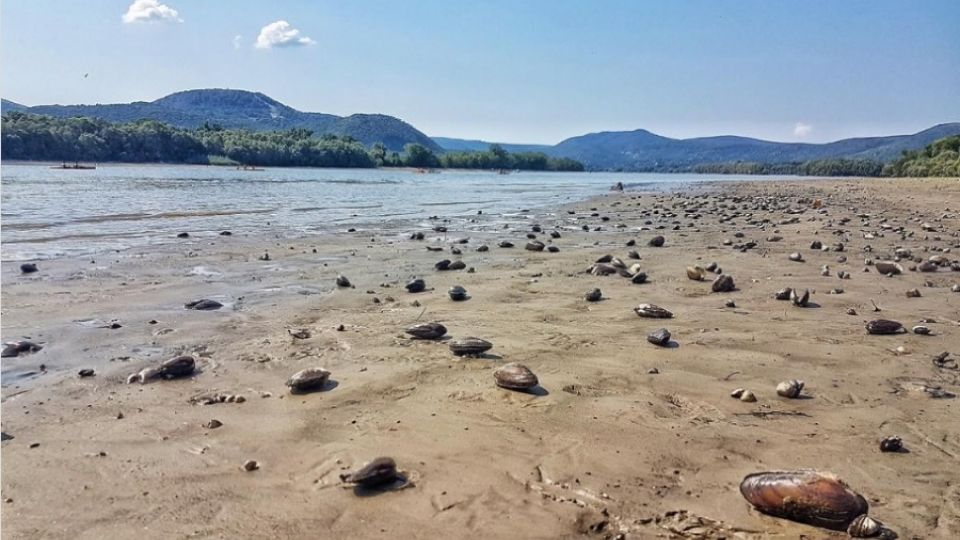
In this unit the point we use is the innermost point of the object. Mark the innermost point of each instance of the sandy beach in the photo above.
(622, 438)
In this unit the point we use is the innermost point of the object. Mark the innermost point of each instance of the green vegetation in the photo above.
(34, 137)
(941, 158)
(818, 167)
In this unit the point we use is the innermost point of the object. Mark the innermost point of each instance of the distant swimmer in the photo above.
(617, 187)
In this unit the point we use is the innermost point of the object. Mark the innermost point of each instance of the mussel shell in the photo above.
(342, 281)
(457, 293)
(535, 246)
(652, 311)
(203, 305)
(790, 389)
(864, 526)
(656, 241)
(15, 348)
(804, 496)
(593, 296)
(382, 470)
(469, 345)
(800, 299)
(308, 379)
(603, 269)
(883, 327)
(723, 283)
(430, 330)
(783, 294)
(180, 366)
(505, 244)
(638, 278)
(515, 376)
(28, 268)
(457, 265)
(443, 265)
(416, 285)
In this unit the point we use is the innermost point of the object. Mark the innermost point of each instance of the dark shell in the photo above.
(481, 249)
(416, 285)
(443, 265)
(506, 244)
(553, 249)
(638, 278)
(180, 366)
(891, 444)
(633, 255)
(457, 293)
(657, 241)
(535, 246)
(816, 244)
(652, 312)
(884, 327)
(18, 347)
(554, 234)
(603, 269)
(308, 379)
(927, 266)
(659, 337)
(457, 265)
(203, 305)
(888, 267)
(804, 496)
(800, 300)
(431, 330)
(605, 259)
(382, 470)
(723, 283)
(515, 376)
(783, 294)
(342, 281)
(28, 268)
(593, 296)
(469, 345)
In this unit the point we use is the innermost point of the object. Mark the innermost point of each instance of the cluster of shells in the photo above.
(610, 265)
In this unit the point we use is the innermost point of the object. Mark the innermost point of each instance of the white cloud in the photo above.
(281, 34)
(802, 130)
(236, 41)
(150, 10)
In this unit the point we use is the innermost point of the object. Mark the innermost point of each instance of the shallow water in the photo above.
(48, 213)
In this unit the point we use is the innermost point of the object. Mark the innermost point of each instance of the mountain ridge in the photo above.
(242, 109)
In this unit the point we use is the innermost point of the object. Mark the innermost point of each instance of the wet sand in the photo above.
(603, 448)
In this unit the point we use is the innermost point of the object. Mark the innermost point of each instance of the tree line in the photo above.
(940, 158)
(818, 167)
(43, 138)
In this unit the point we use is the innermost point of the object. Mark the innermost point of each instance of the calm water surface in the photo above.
(53, 213)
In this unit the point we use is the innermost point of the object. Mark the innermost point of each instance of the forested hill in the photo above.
(942, 158)
(641, 150)
(245, 110)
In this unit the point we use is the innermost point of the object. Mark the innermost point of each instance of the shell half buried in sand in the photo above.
(308, 379)
(804, 496)
(432, 330)
(652, 311)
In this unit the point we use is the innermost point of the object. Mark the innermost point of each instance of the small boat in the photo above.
(76, 166)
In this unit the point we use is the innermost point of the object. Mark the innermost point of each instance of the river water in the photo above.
(49, 213)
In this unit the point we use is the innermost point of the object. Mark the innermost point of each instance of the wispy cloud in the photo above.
(150, 10)
(236, 41)
(802, 130)
(281, 34)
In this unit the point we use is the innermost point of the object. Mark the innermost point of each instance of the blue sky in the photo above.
(513, 71)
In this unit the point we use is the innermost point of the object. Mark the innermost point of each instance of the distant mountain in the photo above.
(472, 145)
(242, 109)
(642, 150)
(8, 106)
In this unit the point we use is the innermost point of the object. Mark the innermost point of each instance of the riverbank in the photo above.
(623, 436)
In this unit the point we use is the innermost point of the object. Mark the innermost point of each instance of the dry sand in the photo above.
(606, 448)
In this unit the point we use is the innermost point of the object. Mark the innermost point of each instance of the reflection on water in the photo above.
(50, 212)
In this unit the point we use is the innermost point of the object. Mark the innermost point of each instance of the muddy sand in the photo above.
(621, 439)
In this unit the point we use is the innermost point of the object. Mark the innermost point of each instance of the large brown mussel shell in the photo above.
(888, 267)
(652, 312)
(382, 470)
(432, 330)
(469, 346)
(308, 379)
(514, 376)
(810, 497)
(723, 283)
(884, 327)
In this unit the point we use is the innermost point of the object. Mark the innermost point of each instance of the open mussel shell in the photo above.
(798, 299)
(810, 497)
(432, 330)
(652, 311)
(864, 526)
(378, 472)
(514, 376)
(884, 327)
(308, 379)
(469, 346)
